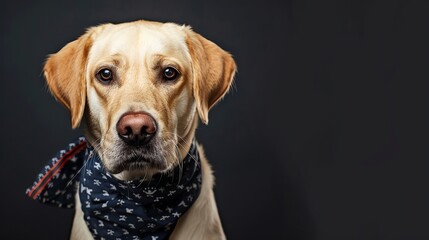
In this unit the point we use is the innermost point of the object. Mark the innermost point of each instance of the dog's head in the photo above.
(138, 88)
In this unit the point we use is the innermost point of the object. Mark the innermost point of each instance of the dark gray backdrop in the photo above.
(325, 135)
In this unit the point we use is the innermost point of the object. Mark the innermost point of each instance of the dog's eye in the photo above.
(170, 73)
(105, 75)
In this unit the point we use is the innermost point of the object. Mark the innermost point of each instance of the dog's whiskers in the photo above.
(183, 147)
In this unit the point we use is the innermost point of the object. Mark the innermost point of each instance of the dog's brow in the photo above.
(115, 60)
(118, 59)
(160, 60)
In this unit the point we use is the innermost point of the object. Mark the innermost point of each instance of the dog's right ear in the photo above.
(65, 75)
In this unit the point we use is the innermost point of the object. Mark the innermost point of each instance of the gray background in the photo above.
(325, 135)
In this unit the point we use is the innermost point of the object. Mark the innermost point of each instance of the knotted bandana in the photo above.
(115, 209)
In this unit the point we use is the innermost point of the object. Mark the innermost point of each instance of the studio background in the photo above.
(324, 135)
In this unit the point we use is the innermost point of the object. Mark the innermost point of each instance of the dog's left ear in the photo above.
(213, 72)
(65, 75)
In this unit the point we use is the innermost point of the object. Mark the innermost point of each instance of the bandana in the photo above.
(115, 209)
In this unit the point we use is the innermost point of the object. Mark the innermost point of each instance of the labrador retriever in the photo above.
(138, 89)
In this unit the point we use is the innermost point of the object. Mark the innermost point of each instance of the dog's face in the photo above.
(139, 88)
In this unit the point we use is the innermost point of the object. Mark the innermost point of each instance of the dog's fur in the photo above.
(137, 52)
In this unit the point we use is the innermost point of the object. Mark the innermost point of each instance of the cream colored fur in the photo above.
(137, 52)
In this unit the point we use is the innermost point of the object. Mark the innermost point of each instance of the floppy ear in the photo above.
(65, 75)
(213, 71)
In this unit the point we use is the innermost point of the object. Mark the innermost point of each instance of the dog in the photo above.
(139, 90)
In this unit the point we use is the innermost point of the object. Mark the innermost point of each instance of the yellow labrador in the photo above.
(140, 84)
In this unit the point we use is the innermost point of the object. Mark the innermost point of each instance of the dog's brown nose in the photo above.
(136, 128)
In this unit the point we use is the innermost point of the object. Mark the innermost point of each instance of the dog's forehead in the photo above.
(138, 40)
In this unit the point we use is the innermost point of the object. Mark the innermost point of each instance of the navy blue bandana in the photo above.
(115, 209)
